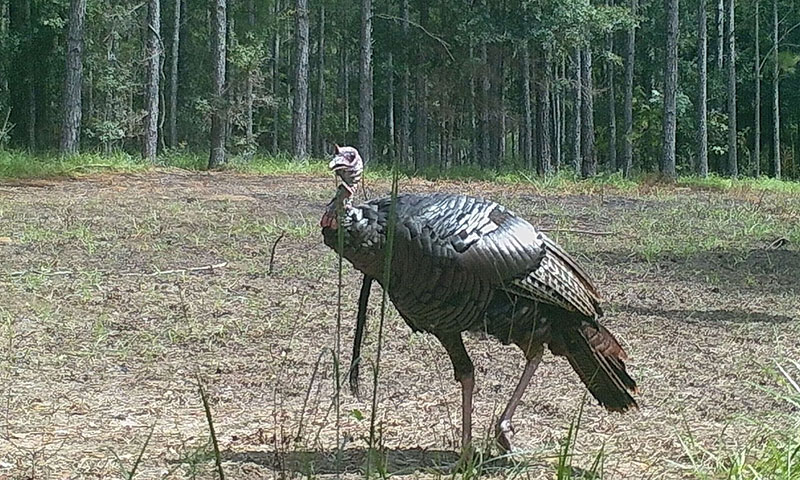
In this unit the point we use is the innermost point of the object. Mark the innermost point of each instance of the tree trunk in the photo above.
(276, 64)
(757, 101)
(345, 61)
(485, 87)
(405, 134)
(150, 147)
(527, 131)
(733, 168)
(577, 114)
(670, 92)
(776, 113)
(365, 106)
(588, 153)
(22, 73)
(248, 87)
(720, 33)
(557, 111)
(319, 109)
(612, 106)
(73, 79)
(219, 116)
(543, 113)
(627, 141)
(300, 91)
(173, 75)
(702, 94)
(390, 105)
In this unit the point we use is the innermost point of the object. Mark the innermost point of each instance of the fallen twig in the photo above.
(177, 270)
(272, 252)
(215, 444)
(38, 272)
(576, 231)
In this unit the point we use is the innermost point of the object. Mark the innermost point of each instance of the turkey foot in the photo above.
(503, 432)
(504, 429)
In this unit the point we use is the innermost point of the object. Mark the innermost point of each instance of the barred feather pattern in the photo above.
(463, 263)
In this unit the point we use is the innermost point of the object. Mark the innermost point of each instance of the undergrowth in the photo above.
(22, 165)
(770, 453)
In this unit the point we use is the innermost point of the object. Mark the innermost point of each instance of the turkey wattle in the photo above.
(462, 264)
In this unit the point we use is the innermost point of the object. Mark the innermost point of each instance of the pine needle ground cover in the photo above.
(120, 293)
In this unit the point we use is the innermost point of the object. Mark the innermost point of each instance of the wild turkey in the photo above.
(461, 264)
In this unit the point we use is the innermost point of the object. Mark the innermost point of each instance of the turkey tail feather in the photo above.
(598, 358)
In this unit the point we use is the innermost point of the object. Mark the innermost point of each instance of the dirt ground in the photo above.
(119, 292)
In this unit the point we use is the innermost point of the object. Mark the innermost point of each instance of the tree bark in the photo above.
(73, 79)
(405, 134)
(720, 33)
(577, 114)
(365, 105)
(527, 131)
(219, 117)
(390, 105)
(249, 82)
(150, 147)
(733, 168)
(702, 94)
(612, 106)
(588, 153)
(670, 92)
(173, 75)
(345, 62)
(485, 87)
(300, 91)
(627, 142)
(319, 109)
(757, 101)
(276, 65)
(545, 139)
(776, 112)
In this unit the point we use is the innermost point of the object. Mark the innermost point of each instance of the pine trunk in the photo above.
(73, 79)
(527, 130)
(720, 33)
(390, 105)
(670, 92)
(300, 90)
(702, 94)
(319, 108)
(776, 113)
(276, 64)
(612, 107)
(588, 153)
(405, 122)
(365, 99)
(756, 161)
(173, 75)
(248, 87)
(577, 113)
(627, 141)
(485, 87)
(219, 117)
(545, 139)
(150, 147)
(733, 168)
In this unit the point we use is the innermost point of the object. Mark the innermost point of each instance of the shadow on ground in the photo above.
(321, 462)
(709, 316)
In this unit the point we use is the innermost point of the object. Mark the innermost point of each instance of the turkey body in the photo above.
(462, 263)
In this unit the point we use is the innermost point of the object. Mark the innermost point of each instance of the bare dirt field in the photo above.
(118, 292)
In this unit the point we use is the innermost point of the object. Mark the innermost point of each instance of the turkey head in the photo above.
(348, 166)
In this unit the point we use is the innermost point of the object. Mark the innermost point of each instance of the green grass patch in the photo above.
(16, 164)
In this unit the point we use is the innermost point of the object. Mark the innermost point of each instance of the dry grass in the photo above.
(99, 346)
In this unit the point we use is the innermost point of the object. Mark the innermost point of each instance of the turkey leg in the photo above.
(504, 429)
(464, 373)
